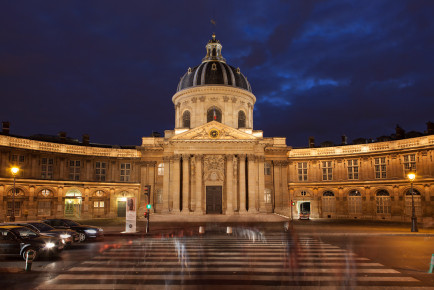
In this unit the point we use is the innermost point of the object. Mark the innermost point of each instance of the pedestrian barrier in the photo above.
(201, 230)
(30, 256)
(431, 267)
(229, 230)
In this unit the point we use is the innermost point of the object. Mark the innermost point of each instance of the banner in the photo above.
(130, 226)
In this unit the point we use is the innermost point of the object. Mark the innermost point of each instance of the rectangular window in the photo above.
(302, 171)
(267, 168)
(327, 170)
(44, 208)
(100, 170)
(409, 163)
(98, 204)
(125, 171)
(18, 160)
(74, 169)
(17, 208)
(161, 169)
(353, 169)
(47, 168)
(380, 167)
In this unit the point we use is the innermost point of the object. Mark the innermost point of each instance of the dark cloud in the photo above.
(318, 68)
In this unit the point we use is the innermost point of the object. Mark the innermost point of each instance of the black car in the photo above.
(85, 232)
(68, 236)
(17, 240)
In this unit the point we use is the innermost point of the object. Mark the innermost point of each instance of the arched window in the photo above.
(186, 119)
(383, 202)
(214, 114)
(354, 202)
(241, 119)
(328, 202)
(416, 200)
(161, 169)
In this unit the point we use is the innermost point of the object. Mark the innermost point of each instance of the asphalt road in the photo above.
(245, 262)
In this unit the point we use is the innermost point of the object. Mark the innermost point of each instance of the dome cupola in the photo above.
(214, 71)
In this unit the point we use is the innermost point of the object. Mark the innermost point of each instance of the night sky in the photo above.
(317, 68)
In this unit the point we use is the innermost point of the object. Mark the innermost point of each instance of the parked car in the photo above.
(68, 236)
(18, 240)
(85, 232)
(304, 215)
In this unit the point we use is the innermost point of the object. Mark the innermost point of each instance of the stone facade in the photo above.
(214, 162)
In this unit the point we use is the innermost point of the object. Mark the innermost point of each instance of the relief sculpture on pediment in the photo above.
(214, 167)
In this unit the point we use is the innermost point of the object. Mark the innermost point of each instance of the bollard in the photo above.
(201, 230)
(229, 230)
(30, 255)
(431, 267)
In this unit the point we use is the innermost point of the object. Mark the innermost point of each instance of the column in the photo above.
(261, 187)
(242, 191)
(176, 182)
(151, 182)
(284, 181)
(252, 179)
(166, 184)
(199, 207)
(277, 188)
(86, 212)
(229, 184)
(60, 203)
(113, 205)
(185, 183)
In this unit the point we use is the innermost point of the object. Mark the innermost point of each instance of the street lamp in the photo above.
(14, 171)
(412, 176)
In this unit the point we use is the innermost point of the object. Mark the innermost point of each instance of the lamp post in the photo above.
(412, 176)
(14, 171)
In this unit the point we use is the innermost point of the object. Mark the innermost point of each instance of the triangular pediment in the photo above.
(214, 131)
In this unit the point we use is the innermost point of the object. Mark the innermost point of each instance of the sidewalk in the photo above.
(269, 223)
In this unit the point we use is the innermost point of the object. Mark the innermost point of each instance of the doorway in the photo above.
(213, 199)
(122, 208)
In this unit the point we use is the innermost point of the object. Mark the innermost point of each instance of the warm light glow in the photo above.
(15, 170)
(411, 176)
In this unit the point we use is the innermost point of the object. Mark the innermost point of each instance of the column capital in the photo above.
(251, 157)
(176, 157)
(186, 157)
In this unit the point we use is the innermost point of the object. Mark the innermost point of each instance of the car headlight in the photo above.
(90, 231)
(65, 236)
(49, 245)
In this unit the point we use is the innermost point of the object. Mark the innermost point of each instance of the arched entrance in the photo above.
(73, 201)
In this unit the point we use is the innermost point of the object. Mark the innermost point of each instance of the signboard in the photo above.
(130, 226)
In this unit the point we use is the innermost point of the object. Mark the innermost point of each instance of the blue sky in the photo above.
(317, 68)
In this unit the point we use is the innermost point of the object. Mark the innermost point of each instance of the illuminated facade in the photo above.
(214, 162)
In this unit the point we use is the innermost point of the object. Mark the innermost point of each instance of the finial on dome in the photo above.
(213, 36)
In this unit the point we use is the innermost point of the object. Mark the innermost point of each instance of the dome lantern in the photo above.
(213, 71)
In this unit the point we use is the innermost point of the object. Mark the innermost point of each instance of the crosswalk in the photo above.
(233, 262)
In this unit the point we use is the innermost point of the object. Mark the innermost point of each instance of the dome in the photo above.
(213, 71)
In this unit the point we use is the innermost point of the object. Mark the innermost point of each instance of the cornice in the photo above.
(419, 143)
(43, 146)
(223, 89)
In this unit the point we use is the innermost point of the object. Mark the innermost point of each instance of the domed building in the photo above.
(214, 162)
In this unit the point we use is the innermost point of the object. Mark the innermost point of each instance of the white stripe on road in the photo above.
(237, 277)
